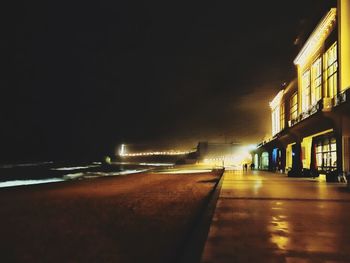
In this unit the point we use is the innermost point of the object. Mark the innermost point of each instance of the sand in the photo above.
(135, 218)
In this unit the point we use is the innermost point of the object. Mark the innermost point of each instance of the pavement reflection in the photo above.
(267, 217)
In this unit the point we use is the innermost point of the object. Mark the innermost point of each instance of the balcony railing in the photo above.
(342, 97)
(318, 106)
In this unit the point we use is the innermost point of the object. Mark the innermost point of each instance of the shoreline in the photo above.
(104, 219)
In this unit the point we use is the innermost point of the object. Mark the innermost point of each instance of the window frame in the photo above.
(316, 80)
(282, 117)
(326, 154)
(293, 109)
(331, 70)
(306, 90)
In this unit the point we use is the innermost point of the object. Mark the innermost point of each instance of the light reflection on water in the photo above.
(279, 228)
(51, 172)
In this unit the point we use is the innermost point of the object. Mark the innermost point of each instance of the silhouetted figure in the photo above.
(252, 166)
(246, 167)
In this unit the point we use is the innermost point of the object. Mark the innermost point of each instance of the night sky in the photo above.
(80, 78)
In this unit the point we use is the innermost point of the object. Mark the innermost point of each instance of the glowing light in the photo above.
(122, 150)
(186, 171)
(277, 100)
(156, 164)
(145, 164)
(156, 153)
(317, 37)
(234, 160)
(279, 229)
(250, 147)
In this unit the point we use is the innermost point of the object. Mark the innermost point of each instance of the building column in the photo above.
(345, 137)
(271, 163)
(346, 153)
(344, 43)
(297, 165)
(283, 159)
(339, 143)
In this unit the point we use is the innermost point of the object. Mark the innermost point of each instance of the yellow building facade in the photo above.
(311, 116)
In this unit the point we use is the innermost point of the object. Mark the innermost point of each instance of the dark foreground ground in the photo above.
(267, 217)
(136, 218)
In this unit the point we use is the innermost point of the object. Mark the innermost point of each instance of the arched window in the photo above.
(265, 160)
(256, 160)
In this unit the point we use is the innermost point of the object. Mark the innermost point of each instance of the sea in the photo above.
(51, 172)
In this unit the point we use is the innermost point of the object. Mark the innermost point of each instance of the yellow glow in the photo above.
(280, 231)
(306, 148)
(155, 153)
(277, 100)
(310, 68)
(316, 81)
(240, 157)
(317, 38)
(344, 46)
(331, 71)
(306, 151)
(289, 156)
(321, 133)
(275, 106)
(306, 92)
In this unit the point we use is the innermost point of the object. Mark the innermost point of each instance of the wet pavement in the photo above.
(267, 217)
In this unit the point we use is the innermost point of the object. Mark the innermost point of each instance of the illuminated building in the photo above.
(311, 116)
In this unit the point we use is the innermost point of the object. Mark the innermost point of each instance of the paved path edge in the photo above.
(196, 238)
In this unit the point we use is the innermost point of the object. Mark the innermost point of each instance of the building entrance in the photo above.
(326, 153)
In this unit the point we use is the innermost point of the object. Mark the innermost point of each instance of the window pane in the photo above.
(294, 107)
(332, 68)
(333, 146)
(334, 159)
(325, 147)
(316, 81)
(306, 90)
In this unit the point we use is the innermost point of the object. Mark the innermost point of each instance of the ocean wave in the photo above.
(73, 176)
(29, 182)
(74, 168)
(8, 166)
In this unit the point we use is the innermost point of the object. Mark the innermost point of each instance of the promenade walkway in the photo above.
(267, 217)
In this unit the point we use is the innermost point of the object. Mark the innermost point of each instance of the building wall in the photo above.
(327, 118)
(344, 39)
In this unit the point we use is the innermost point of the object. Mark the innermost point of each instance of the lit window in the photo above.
(316, 82)
(294, 106)
(305, 103)
(326, 154)
(278, 119)
(275, 120)
(332, 70)
(282, 118)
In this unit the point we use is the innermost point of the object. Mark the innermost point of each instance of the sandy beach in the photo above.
(136, 218)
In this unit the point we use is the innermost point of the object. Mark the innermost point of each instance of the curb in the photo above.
(197, 237)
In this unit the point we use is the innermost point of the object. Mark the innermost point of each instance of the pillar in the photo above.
(344, 43)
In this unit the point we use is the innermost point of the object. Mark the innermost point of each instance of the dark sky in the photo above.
(82, 77)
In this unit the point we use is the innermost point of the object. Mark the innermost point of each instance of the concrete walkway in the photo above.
(267, 217)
